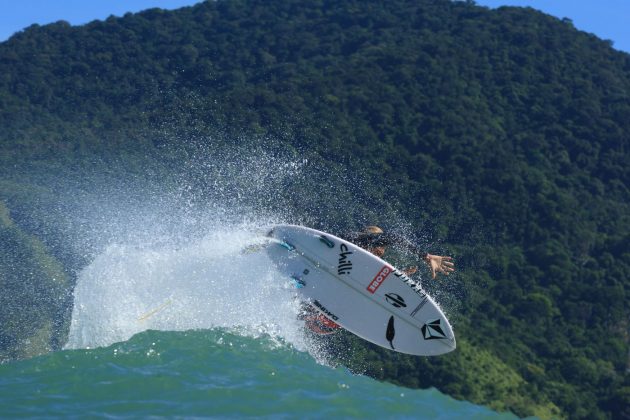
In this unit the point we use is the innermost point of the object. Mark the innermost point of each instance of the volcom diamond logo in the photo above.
(432, 330)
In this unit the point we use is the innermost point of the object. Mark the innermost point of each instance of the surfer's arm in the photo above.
(436, 263)
(410, 270)
(439, 264)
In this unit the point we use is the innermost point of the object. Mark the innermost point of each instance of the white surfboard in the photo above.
(361, 292)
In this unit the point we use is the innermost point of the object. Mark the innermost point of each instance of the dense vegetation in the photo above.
(505, 133)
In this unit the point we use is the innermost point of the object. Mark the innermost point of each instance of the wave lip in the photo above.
(221, 280)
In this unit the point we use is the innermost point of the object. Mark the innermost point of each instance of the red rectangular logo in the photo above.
(379, 279)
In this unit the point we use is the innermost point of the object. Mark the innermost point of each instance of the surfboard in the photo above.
(361, 292)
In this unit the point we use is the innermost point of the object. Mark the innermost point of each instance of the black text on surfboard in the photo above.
(325, 311)
(345, 265)
(417, 287)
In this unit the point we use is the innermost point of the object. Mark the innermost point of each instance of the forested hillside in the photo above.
(498, 136)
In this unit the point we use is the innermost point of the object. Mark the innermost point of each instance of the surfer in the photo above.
(374, 240)
(316, 322)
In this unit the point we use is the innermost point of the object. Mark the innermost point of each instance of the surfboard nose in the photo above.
(452, 343)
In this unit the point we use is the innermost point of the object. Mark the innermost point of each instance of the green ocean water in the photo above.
(208, 373)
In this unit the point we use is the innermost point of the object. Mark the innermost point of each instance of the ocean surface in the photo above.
(208, 373)
(199, 328)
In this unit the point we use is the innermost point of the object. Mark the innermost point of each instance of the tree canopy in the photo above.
(504, 133)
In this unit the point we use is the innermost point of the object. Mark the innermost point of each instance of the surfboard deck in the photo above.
(361, 292)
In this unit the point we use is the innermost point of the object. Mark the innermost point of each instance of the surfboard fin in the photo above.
(298, 282)
(328, 242)
(287, 245)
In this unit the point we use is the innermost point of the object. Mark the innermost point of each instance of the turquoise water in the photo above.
(208, 373)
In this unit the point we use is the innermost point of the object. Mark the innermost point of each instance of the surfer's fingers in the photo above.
(446, 270)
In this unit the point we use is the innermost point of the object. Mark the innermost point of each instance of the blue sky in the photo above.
(15, 15)
(608, 19)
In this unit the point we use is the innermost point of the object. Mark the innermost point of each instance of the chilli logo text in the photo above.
(345, 265)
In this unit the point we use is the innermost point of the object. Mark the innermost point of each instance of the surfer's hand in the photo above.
(439, 264)
(411, 270)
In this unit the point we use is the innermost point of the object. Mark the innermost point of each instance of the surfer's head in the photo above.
(373, 240)
(372, 230)
(379, 251)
